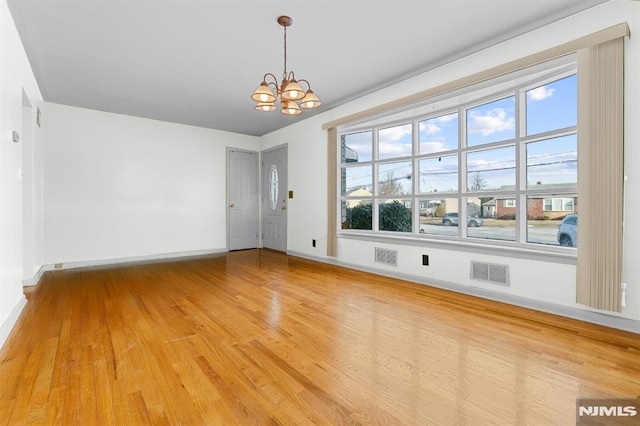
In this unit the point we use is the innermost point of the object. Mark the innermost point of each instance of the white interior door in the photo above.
(274, 199)
(243, 198)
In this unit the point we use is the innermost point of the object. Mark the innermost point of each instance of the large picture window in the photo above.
(494, 164)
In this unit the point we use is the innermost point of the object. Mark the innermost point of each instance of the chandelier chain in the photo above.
(284, 76)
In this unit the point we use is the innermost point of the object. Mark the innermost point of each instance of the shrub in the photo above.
(395, 216)
(359, 217)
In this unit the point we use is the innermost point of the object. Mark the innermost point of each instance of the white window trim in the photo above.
(527, 80)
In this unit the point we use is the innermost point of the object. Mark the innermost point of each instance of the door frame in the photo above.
(228, 196)
(262, 194)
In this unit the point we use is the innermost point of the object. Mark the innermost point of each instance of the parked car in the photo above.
(452, 219)
(568, 231)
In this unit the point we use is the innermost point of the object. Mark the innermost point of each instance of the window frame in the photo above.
(517, 88)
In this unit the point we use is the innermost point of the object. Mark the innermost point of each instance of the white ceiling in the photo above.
(197, 62)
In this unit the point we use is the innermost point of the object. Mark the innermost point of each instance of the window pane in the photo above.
(491, 218)
(357, 147)
(552, 106)
(439, 134)
(395, 178)
(552, 162)
(436, 216)
(491, 170)
(492, 122)
(357, 214)
(439, 174)
(394, 142)
(552, 227)
(357, 181)
(395, 215)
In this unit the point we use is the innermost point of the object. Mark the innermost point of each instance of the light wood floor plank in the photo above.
(258, 337)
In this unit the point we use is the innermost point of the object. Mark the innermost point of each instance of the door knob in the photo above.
(232, 205)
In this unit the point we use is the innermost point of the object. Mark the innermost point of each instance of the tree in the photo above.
(359, 217)
(477, 182)
(440, 210)
(390, 185)
(394, 216)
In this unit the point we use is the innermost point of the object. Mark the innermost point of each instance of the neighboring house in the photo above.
(489, 208)
(538, 207)
(357, 193)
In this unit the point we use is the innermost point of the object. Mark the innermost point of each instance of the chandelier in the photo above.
(288, 90)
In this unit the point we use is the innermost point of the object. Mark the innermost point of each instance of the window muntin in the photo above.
(439, 134)
(438, 174)
(395, 142)
(552, 106)
(490, 169)
(491, 122)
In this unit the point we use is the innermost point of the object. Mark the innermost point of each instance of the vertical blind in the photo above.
(600, 175)
(332, 192)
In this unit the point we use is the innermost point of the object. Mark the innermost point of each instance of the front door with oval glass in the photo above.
(274, 196)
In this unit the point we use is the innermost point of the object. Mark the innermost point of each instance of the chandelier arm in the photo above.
(275, 79)
(307, 83)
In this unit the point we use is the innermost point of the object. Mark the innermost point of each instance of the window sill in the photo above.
(507, 249)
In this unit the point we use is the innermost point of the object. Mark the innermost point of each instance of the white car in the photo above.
(568, 231)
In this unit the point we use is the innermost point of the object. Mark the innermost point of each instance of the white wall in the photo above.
(119, 187)
(15, 76)
(534, 280)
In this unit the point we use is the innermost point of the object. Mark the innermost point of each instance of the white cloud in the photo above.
(447, 118)
(495, 120)
(432, 146)
(429, 128)
(393, 134)
(540, 93)
(390, 150)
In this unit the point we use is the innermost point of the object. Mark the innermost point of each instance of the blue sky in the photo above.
(548, 107)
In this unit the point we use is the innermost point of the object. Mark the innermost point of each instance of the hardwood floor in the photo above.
(257, 337)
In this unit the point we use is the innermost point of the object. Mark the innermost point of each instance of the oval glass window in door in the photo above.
(273, 187)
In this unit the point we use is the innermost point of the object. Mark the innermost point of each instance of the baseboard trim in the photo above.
(8, 325)
(33, 281)
(591, 316)
(133, 259)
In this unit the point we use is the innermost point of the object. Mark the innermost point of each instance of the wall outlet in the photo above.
(425, 259)
(313, 243)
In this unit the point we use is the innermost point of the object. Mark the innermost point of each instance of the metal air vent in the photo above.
(386, 256)
(498, 274)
